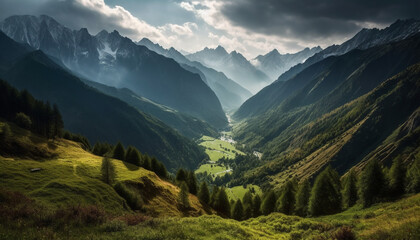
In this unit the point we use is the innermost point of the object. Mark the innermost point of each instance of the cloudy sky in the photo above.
(251, 27)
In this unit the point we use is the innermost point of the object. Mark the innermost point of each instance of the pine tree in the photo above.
(133, 156)
(146, 162)
(204, 194)
(58, 121)
(238, 211)
(413, 177)
(181, 175)
(222, 204)
(108, 171)
(119, 152)
(256, 206)
(325, 195)
(213, 196)
(397, 178)
(350, 190)
(162, 172)
(247, 204)
(302, 198)
(371, 183)
(154, 164)
(287, 199)
(192, 182)
(183, 196)
(269, 204)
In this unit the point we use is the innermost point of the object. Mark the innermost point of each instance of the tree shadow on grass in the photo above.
(130, 166)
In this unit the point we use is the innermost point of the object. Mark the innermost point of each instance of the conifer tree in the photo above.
(350, 190)
(397, 178)
(108, 171)
(413, 177)
(238, 211)
(371, 183)
(247, 204)
(161, 171)
(256, 206)
(204, 194)
(269, 203)
(58, 121)
(119, 152)
(154, 164)
(183, 196)
(146, 162)
(133, 156)
(181, 175)
(287, 199)
(325, 195)
(302, 198)
(213, 196)
(192, 182)
(222, 204)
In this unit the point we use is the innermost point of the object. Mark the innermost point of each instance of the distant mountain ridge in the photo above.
(234, 65)
(274, 63)
(230, 93)
(114, 60)
(365, 38)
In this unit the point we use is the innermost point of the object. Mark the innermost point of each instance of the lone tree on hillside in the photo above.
(287, 199)
(371, 183)
(302, 198)
(350, 190)
(204, 194)
(325, 196)
(108, 171)
(269, 204)
(119, 152)
(183, 196)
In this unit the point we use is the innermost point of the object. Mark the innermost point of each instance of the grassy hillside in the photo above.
(71, 176)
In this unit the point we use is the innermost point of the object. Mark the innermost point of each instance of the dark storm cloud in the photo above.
(308, 19)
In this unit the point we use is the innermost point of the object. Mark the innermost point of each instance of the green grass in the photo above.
(216, 170)
(217, 148)
(238, 192)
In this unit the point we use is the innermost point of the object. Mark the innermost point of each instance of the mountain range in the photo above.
(230, 93)
(87, 111)
(116, 61)
(234, 65)
(274, 64)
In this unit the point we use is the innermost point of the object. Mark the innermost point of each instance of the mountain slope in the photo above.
(322, 77)
(72, 178)
(234, 65)
(381, 124)
(274, 64)
(97, 116)
(186, 125)
(230, 94)
(114, 60)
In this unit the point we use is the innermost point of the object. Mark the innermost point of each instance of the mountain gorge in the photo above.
(230, 93)
(234, 65)
(114, 60)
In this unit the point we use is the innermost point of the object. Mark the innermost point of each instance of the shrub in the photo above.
(132, 198)
(6, 133)
(23, 121)
(114, 226)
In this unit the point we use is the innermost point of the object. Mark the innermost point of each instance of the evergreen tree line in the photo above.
(130, 155)
(23, 109)
(330, 195)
